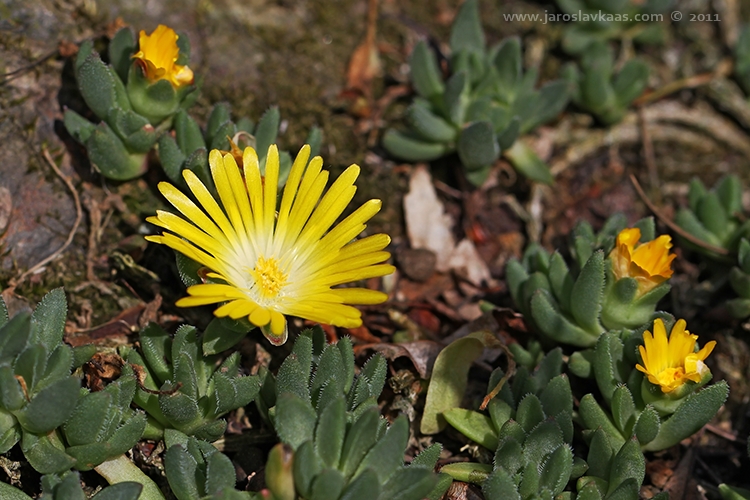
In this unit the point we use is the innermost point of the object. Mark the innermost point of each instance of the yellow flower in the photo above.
(649, 263)
(670, 363)
(158, 54)
(266, 264)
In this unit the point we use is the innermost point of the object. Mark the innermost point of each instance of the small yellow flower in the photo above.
(649, 263)
(158, 54)
(670, 363)
(266, 264)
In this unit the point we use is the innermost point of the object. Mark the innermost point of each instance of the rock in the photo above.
(418, 264)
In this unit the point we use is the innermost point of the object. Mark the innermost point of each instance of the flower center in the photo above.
(671, 377)
(269, 279)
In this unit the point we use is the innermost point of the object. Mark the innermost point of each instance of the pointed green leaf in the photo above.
(48, 320)
(181, 471)
(594, 417)
(600, 455)
(425, 74)
(295, 419)
(466, 32)
(556, 470)
(409, 483)
(623, 410)
(629, 463)
(328, 485)
(51, 407)
(500, 485)
(554, 324)
(330, 431)
(387, 454)
(359, 439)
(267, 131)
(366, 486)
(588, 293)
(690, 416)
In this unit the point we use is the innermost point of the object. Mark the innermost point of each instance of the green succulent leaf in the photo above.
(474, 425)
(425, 74)
(526, 161)
(500, 485)
(648, 425)
(295, 419)
(330, 432)
(387, 454)
(48, 320)
(409, 483)
(588, 293)
(466, 32)
(266, 133)
(697, 409)
(51, 407)
(411, 148)
(629, 463)
(477, 146)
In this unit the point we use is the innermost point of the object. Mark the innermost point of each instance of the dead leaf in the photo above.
(364, 66)
(468, 263)
(102, 367)
(427, 224)
(422, 353)
(682, 484)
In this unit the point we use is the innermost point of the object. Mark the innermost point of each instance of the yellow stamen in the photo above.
(269, 279)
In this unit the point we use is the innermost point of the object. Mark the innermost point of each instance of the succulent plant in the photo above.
(739, 279)
(184, 389)
(334, 443)
(596, 21)
(483, 107)
(613, 472)
(103, 426)
(529, 428)
(196, 469)
(68, 487)
(715, 216)
(133, 108)
(599, 90)
(576, 306)
(37, 391)
(189, 147)
(640, 409)
(544, 389)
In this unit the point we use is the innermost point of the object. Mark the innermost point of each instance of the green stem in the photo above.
(121, 469)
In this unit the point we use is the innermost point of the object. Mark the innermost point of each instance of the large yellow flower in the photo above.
(669, 363)
(649, 263)
(158, 54)
(263, 264)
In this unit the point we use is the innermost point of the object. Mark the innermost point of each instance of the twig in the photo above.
(511, 370)
(725, 434)
(79, 215)
(674, 227)
(6, 77)
(724, 68)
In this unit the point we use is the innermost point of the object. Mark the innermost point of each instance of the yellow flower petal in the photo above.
(670, 362)
(270, 265)
(650, 264)
(157, 57)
